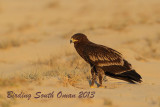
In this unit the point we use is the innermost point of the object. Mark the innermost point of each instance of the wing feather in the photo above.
(104, 56)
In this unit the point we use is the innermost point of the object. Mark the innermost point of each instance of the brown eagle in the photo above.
(104, 60)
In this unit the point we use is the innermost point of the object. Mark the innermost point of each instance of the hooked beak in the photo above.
(73, 40)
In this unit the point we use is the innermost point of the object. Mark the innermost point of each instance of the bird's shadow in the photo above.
(111, 85)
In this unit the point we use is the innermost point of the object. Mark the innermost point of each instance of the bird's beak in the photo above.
(73, 40)
(70, 41)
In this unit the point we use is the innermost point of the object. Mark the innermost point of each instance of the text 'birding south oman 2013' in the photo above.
(50, 95)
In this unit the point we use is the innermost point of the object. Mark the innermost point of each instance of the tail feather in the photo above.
(130, 76)
(133, 75)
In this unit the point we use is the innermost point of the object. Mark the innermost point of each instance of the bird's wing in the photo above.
(107, 59)
(104, 56)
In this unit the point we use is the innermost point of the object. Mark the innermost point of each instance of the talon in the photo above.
(92, 87)
(101, 87)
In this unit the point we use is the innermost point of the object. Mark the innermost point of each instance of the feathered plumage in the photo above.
(102, 58)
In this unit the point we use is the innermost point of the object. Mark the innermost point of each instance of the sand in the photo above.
(35, 54)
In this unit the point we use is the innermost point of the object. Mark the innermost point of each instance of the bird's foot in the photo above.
(101, 86)
(92, 86)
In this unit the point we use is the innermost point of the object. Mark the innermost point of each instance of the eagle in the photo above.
(104, 60)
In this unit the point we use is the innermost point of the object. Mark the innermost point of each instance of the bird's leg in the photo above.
(93, 78)
(100, 79)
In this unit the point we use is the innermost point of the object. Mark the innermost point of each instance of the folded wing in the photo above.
(107, 59)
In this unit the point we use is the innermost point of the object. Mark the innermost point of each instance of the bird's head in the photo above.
(78, 37)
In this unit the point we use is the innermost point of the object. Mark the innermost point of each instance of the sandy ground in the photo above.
(35, 54)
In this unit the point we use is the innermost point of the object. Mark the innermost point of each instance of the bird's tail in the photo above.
(130, 76)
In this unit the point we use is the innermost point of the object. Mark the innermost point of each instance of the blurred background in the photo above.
(25, 22)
